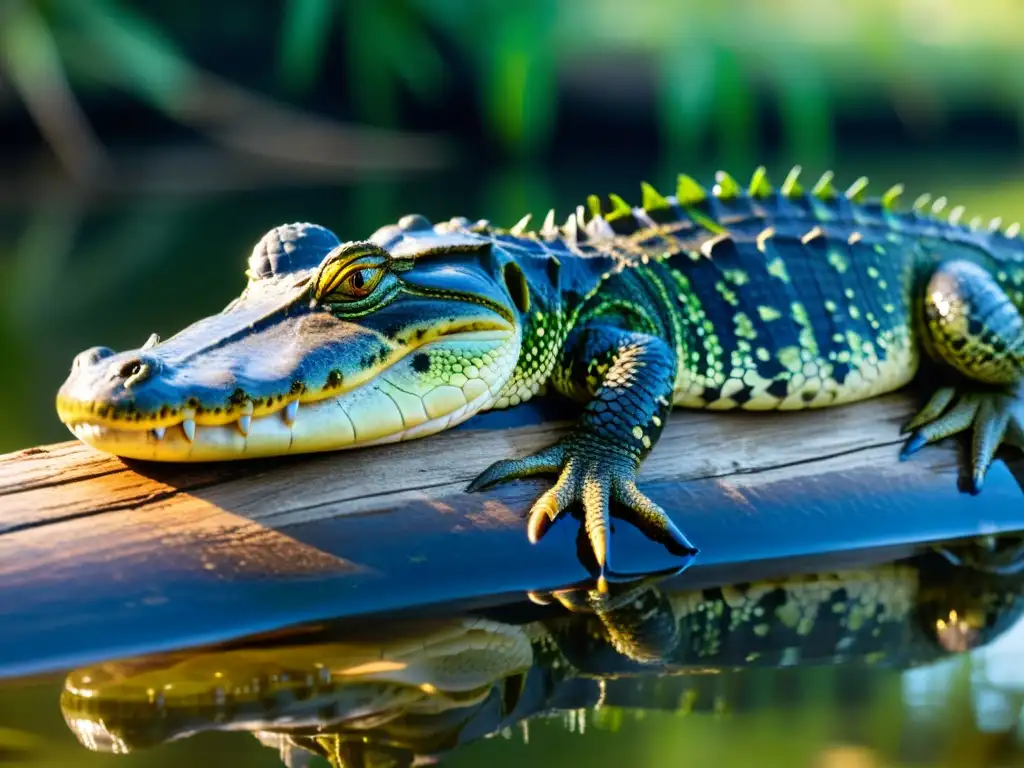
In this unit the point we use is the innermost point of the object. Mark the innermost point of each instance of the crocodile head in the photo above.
(330, 345)
(427, 678)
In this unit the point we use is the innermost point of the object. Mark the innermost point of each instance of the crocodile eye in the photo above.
(350, 273)
(358, 284)
(349, 283)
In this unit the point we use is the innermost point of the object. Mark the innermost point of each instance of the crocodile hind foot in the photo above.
(974, 330)
(995, 417)
(592, 473)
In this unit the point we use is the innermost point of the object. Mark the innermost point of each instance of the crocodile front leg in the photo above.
(626, 379)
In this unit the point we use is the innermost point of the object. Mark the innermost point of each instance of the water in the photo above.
(80, 272)
(807, 669)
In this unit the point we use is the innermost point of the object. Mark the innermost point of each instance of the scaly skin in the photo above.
(751, 299)
(425, 687)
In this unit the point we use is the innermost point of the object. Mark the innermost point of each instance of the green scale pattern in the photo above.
(762, 299)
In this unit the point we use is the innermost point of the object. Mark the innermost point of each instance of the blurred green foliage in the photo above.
(707, 60)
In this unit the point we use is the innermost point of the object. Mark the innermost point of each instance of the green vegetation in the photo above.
(707, 61)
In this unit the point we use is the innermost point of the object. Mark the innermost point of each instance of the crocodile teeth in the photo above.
(152, 341)
(244, 422)
(159, 432)
(188, 426)
(290, 411)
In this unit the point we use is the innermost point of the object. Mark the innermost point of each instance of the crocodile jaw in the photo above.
(391, 407)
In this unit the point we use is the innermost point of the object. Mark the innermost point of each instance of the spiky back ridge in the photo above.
(779, 298)
(841, 330)
(603, 221)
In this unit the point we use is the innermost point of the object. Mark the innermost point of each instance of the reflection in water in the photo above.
(406, 691)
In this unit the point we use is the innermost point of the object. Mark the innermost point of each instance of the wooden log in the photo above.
(100, 557)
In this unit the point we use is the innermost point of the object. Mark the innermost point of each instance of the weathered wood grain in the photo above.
(100, 557)
(59, 483)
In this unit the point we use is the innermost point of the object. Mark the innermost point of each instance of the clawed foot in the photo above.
(637, 618)
(997, 417)
(594, 474)
(587, 598)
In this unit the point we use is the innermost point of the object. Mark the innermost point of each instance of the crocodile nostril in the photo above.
(90, 357)
(134, 372)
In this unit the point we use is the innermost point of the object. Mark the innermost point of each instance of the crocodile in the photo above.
(423, 687)
(751, 298)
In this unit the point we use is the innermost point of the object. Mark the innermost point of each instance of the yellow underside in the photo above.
(861, 383)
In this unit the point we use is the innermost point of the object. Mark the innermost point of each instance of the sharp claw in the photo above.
(542, 516)
(990, 427)
(654, 521)
(682, 544)
(916, 442)
(593, 484)
(571, 599)
(537, 598)
(537, 527)
(977, 480)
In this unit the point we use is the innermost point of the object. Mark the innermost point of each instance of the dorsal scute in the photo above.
(857, 191)
(791, 187)
(891, 197)
(689, 192)
(727, 204)
(824, 190)
(760, 186)
(619, 207)
(652, 199)
(600, 219)
(290, 248)
(726, 187)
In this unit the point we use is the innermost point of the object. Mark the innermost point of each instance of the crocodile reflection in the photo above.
(409, 692)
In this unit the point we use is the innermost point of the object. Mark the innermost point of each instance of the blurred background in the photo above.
(147, 145)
